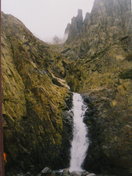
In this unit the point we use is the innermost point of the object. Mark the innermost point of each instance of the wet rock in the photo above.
(20, 174)
(28, 174)
(57, 172)
(85, 173)
(66, 138)
(66, 172)
(46, 172)
(76, 173)
(91, 174)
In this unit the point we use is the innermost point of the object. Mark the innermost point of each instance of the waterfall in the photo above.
(80, 143)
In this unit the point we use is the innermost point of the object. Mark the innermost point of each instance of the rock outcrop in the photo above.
(74, 29)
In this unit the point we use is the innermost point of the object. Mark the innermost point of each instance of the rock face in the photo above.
(75, 28)
(103, 71)
(33, 102)
(108, 22)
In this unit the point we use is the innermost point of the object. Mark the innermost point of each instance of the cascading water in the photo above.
(80, 141)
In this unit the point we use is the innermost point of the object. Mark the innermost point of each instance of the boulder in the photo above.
(66, 172)
(46, 172)
(85, 173)
(91, 174)
(76, 173)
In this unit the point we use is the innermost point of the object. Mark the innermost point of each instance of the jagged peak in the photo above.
(110, 12)
(67, 28)
(75, 27)
(87, 17)
(108, 6)
(80, 14)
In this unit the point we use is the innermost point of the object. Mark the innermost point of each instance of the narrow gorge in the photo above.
(47, 127)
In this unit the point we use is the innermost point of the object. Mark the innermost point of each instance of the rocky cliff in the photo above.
(74, 29)
(34, 100)
(102, 71)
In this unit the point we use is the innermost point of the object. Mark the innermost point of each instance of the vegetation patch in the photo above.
(126, 74)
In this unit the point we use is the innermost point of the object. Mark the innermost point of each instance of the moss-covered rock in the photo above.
(33, 103)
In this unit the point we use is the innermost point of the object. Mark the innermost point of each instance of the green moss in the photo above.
(127, 74)
(33, 103)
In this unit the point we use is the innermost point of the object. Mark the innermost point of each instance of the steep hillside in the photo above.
(96, 61)
(102, 70)
(34, 100)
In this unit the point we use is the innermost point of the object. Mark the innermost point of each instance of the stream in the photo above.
(80, 142)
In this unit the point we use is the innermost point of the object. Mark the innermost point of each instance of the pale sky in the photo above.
(46, 18)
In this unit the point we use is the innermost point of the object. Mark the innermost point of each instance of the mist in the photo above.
(46, 18)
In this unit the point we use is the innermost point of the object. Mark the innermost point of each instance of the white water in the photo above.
(80, 141)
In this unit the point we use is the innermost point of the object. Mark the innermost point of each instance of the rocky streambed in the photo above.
(64, 172)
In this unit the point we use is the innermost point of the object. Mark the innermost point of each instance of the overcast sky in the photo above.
(46, 18)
